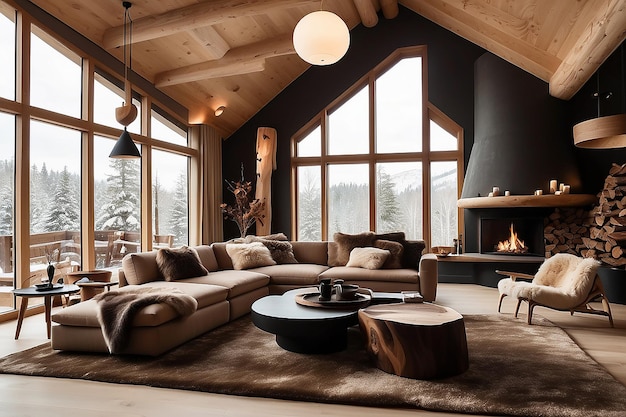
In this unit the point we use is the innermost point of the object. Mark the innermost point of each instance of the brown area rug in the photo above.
(515, 369)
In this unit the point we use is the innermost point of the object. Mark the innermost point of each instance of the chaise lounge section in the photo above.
(225, 293)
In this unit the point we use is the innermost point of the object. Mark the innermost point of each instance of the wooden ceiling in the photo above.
(238, 53)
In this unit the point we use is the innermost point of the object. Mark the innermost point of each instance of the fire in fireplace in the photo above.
(512, 245)
(511, 235)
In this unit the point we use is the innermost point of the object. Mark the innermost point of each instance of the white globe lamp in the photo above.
(321, 38)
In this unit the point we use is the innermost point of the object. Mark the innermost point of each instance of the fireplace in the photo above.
(511, 236)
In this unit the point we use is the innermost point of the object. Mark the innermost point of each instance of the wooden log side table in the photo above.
(415, 340)
(32, 292)
(90, 289)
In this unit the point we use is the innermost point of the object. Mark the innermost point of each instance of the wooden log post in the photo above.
(415, 340)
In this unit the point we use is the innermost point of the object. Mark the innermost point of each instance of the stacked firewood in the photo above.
(565, 230)
(607, 235)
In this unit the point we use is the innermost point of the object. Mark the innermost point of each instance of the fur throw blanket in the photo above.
(118, 308)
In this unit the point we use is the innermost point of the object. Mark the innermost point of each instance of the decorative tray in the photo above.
(46, 287)
(313, 300)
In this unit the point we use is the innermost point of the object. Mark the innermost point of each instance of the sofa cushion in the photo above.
(311, 252)
(236, 282)
(339, 254)
(360, 274)
(141, 267)
(249, 255)
(179, 263)
(207, 257)
(368, 258)
(85, 313)
(396, 251)
(297, 274)
(281, 250)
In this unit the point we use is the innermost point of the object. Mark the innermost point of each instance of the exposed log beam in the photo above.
(602, 36)
(367, 12)
(470, 21)
(242, 60)
(214, 44)
(194, 16)
(390, 8)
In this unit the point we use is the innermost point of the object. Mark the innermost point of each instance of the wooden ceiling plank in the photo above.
(602, 36)
(193, 16)
(390, 8)
(367, 12)
(216, 47)
(465, 23)
(242, 60)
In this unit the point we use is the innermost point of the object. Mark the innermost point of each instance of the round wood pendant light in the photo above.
(606, 132)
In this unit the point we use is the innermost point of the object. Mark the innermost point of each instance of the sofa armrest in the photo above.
(428, 276)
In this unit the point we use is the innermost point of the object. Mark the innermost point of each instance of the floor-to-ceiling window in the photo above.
(380, 158)
(62, 199)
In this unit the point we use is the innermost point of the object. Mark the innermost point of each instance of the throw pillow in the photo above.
(344, 245)
(412, 248)
(396, 251)
(281, 250)
(179, 263)
(369, 258)
(249, 255)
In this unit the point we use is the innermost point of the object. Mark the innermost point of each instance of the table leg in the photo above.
(20, 316)
(48, 307)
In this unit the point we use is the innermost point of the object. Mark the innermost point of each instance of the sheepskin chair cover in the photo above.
(563, 281)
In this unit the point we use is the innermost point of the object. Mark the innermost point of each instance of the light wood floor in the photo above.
(35, 396)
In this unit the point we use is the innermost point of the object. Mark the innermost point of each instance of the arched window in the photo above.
(369, 162)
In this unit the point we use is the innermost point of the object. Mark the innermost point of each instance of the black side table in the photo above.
(32, 292)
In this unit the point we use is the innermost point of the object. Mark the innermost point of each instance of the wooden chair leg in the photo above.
(519, 302)
(500, 301)
(607, 308)
(531, 307)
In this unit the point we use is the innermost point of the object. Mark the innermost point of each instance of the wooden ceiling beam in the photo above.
(208, 37)
(194, 16)
(603, 35)
(470, 20)
(367, 12)
(390, 8)
(243, 60)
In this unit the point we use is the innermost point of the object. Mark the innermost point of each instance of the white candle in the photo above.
(557, 192)
(496, 191)
(490, 194)
(507, 193)
(566, 189)
(552, 186)
(561, 187)
(539, 192)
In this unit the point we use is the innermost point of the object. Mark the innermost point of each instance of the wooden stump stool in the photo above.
(415, 340)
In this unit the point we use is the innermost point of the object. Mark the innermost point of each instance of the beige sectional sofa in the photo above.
(222, 295)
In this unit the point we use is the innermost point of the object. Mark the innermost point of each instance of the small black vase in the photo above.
(50, 271)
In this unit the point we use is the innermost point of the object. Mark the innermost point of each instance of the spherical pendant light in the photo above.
(321, 38)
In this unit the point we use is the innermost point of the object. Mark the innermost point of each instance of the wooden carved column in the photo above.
(265, 164)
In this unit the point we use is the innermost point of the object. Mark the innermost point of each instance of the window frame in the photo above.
(424, 156)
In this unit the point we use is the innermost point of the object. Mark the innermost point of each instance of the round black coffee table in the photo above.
(303, 329)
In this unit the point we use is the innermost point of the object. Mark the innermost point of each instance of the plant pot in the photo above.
(614, 282)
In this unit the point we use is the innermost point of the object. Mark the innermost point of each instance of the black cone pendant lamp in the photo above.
(125, 148)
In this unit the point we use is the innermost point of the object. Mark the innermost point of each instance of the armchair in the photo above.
(563, 282)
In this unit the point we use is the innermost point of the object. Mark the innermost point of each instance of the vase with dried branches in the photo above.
(246, 210)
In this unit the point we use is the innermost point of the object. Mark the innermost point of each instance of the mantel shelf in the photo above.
(514, 201)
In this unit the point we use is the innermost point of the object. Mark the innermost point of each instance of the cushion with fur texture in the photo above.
(344, 245)
(180, 263)
(281, 250)
(396, 251)
(368, 258)
(249, 255)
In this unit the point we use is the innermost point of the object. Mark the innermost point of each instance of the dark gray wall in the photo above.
(450, 84)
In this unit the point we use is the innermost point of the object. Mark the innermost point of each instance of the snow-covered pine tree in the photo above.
(121, 212)
(64, 207)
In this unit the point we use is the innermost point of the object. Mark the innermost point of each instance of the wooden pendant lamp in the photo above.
(127, 113)
(608, 132)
